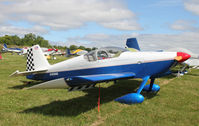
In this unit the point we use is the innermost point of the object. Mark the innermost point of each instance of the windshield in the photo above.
(91, 56)
(104, 53)
(114, 50)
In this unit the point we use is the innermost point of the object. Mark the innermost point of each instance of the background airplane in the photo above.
(48, 52)
(12, 50)
(101, 65)
(45, 51)
(78, 52)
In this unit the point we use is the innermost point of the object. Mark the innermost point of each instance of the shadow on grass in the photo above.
(26, 84)
(149, 95)
(169, 76)
(76, 106)
(192, 74)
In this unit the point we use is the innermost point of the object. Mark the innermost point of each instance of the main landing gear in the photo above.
(134, 98)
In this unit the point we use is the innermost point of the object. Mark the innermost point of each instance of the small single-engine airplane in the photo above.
(101, 65)
(12, 50)
(47, 51)
(78, 52)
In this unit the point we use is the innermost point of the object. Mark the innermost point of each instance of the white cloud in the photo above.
(166, 3)
(122, 25)
(69, 14)
(147, 42)
(12, 30)
(187, 40)
(184, 25)
(192, 5)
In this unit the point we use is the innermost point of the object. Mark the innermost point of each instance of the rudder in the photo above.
(5, 46)
(132, 43)
(36, 59)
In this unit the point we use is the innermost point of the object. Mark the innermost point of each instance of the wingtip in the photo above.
(14, 73)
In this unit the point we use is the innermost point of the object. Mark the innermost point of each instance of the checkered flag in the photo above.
(30, 61)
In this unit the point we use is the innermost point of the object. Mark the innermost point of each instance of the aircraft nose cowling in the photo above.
(181, 56)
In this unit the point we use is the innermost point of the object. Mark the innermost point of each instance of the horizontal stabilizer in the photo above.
(53, 84)
(24, 73)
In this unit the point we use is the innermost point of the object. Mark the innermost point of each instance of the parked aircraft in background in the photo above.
(12, 50)
(101, 65)
(68, 53)
(48, 52)
(78, 52)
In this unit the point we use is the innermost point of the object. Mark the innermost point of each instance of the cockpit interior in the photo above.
(104, 53)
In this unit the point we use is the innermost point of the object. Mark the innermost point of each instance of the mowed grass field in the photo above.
(177, 102)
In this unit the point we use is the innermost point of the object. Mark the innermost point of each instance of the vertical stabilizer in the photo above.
(132, 43)
(5, 46)
(36, 59)
(68, 52)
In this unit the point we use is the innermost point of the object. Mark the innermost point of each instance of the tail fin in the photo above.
(68, 52)
(132, 43)
(5, 46)
(36, 59)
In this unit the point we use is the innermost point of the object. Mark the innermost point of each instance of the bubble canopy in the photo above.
(113, 49)
(104, 53)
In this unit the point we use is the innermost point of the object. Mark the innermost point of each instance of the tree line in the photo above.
(32, 39)
(28, 40)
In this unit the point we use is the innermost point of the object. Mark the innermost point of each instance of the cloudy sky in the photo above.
(157, 24)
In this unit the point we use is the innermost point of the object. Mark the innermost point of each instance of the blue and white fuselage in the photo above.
(141, 63)
(105, 64)
(13, 50)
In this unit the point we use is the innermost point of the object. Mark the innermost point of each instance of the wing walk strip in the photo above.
(80, 88)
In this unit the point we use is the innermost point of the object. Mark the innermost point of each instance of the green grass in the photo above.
(177, 103)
